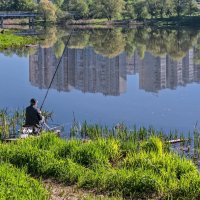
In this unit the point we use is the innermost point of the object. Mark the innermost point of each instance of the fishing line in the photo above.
(55, 71)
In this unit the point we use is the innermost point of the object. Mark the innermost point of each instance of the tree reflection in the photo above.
(80, 40)
(175, 43)
(111, 42)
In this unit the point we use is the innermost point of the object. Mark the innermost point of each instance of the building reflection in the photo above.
(81, 69)
(157, 73)
(85, 70)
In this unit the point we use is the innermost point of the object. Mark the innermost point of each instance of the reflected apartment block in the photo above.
(160, 72)
(81, 69)
(149, 73)
(85, 70)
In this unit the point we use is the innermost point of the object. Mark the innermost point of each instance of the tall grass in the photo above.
(15, 184)
(122, 132)
(126, 169)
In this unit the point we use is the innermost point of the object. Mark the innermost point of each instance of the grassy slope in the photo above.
(110, 166)
(16, 184)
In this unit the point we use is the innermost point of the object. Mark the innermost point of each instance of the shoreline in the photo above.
(186, 21)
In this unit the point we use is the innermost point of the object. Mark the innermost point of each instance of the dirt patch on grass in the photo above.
(59, 191)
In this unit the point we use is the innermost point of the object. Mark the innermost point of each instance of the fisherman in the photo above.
(34, 116)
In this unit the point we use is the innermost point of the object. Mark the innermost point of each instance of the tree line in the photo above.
(110, 9)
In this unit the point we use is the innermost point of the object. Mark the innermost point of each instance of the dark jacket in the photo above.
(33, 116)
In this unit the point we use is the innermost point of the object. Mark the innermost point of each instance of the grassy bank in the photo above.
(16, 184)
(8, 40)
(129, 169)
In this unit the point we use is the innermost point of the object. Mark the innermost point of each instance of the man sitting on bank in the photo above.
(34, 116)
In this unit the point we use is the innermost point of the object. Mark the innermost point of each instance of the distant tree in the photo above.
(113, 8)
(164, 7)
(180, 6)
(58, 3)
(141, 9)
(129, 9)
(23, 5)
(5, 5)
(191, 7)
(108, 8)
(152, 7)
(78, 8)
(17, 5)
(48, 10)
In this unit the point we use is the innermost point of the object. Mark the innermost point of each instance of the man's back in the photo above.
(33, 116)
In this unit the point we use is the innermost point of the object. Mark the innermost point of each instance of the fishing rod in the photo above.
(55, 71)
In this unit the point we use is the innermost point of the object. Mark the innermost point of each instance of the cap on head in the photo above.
(33, 101)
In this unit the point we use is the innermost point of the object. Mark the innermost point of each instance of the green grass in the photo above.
(16, 184)
(12, 41)
(141, 168)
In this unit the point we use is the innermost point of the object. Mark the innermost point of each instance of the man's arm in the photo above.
(39, 114)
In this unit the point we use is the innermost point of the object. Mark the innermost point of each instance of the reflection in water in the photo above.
(106, 61)
(157, 73)
(85, 70)
(82, 69)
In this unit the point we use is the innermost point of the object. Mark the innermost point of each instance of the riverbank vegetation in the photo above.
(12, 41)
(16, 184)
(61, 10)
(119, 162)
(122, 168)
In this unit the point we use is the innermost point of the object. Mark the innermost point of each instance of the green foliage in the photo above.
(109, 43)
(109, 9)
(79, 8)
(17, 5)
(153, 144)
(134, 9)
(116, 166)
(58, 3)
(9, 40)
(48, 10)
(16, 184)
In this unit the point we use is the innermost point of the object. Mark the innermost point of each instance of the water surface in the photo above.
(141, 76)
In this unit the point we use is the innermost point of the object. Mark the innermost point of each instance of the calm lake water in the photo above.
(139, 77)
